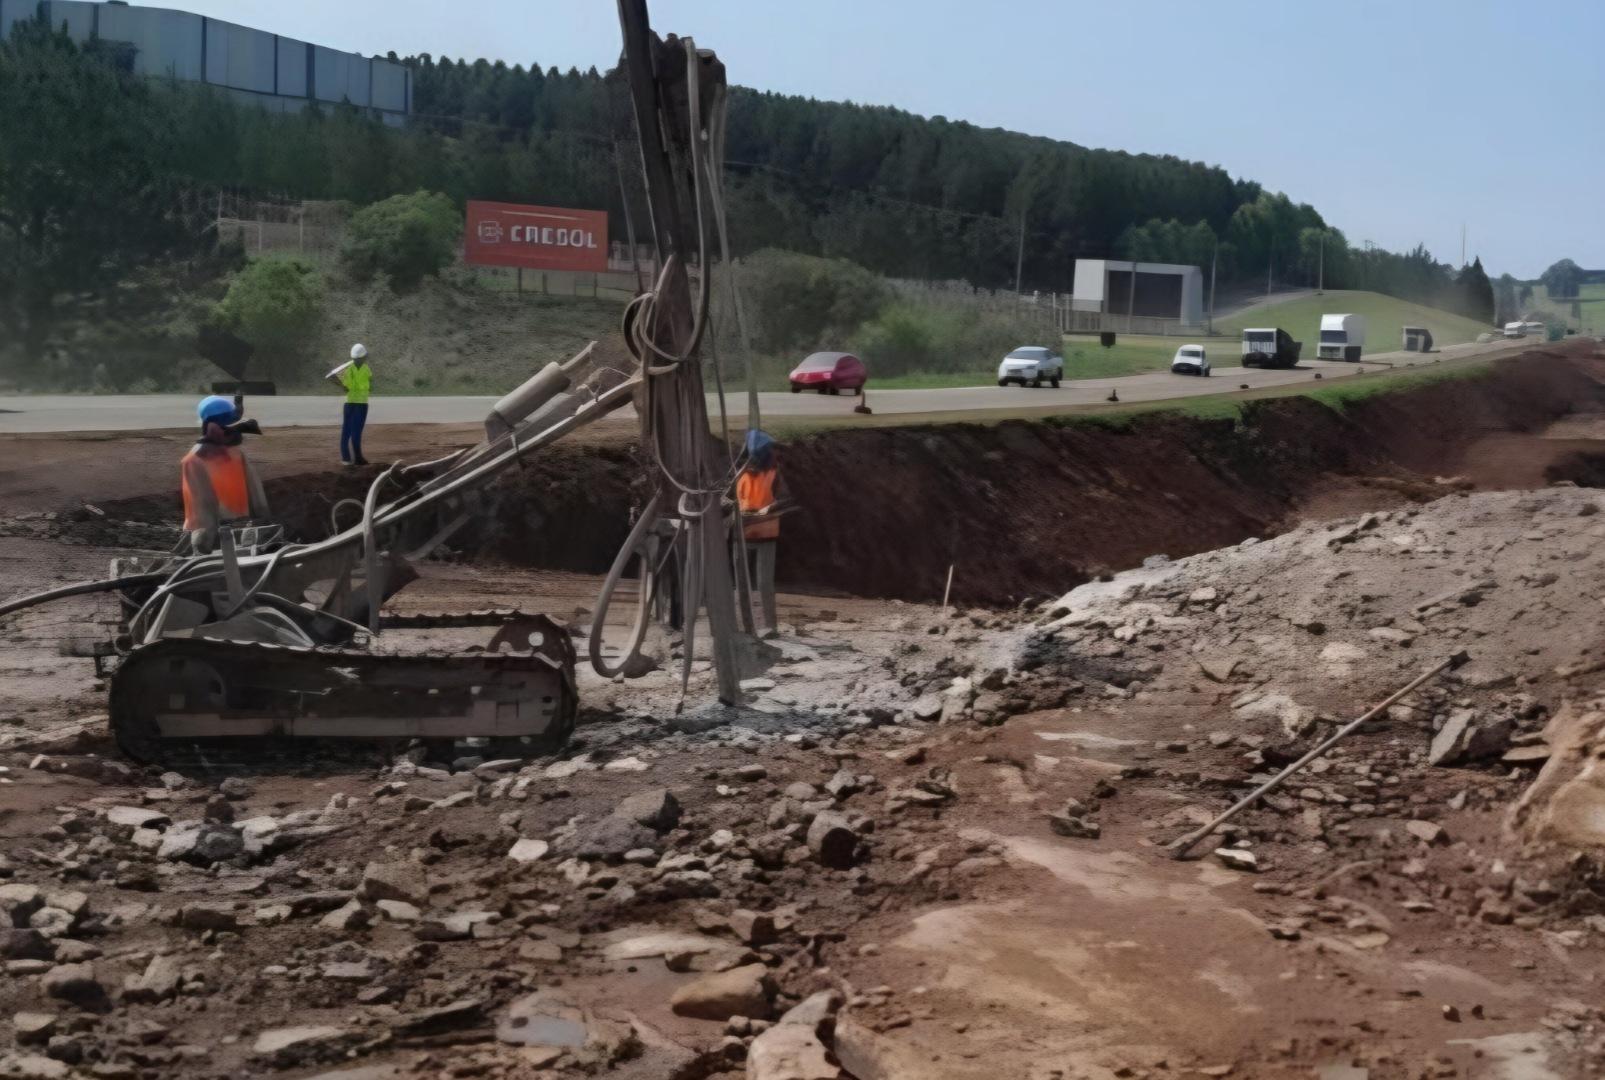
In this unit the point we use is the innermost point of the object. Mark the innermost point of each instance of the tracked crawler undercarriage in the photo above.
(271, 643)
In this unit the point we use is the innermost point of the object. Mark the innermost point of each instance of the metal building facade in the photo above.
(255, 66)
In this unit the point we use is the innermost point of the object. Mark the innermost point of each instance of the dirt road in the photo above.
(21, 414)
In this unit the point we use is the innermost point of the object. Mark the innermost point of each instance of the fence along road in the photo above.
(27, 413)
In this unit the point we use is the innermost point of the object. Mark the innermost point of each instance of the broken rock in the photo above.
(75, 983)
(1295, 719)
(657, 809)
(286, 1047)
(833, 842)
(1467, 737)
(527, 850)
(742, 991)
(1077, 828)
(394, 881)
(1428, 832)
(1238, 859)
(159, 982)
(789, 1052)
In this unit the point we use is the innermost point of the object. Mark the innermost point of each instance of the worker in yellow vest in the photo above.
(758, 495)
(357, 378)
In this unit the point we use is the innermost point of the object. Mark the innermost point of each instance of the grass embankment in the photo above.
(453, 336)
(1385, 317)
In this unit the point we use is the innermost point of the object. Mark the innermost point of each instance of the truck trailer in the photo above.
(1342, 337)
(1270, 347)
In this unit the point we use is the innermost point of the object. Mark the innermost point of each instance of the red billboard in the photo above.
(538, 237)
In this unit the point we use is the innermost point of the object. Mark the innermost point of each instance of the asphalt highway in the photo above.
(22, 413)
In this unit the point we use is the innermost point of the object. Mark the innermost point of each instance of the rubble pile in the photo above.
(732, 891)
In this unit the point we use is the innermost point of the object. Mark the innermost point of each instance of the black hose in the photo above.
(83, 588)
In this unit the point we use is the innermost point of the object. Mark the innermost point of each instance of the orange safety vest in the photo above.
(224, 469)
(754, 491)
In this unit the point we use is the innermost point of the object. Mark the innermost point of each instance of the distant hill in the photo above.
(1385, 318)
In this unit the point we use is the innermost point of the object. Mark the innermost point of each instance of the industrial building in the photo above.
(1145, 297)
(253, 66)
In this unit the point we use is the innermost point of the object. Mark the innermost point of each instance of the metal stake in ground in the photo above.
(1180, 848)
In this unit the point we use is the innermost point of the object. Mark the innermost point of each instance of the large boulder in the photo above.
(1566, 803)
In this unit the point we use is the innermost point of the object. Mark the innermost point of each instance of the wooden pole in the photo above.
(674, 423)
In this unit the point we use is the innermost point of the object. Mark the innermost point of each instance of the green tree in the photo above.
(274, 304)
(83, 196)
(1562, 280)
(1505, 303)
(407, 237)
(1476, 293)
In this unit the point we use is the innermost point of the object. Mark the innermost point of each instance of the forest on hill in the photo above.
(101, 174)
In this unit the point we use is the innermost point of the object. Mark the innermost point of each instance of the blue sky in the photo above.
(1398, 119)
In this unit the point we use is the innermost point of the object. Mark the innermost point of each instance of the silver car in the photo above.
(1031, 365)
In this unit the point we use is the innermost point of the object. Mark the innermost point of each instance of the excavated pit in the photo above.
(1024, 509)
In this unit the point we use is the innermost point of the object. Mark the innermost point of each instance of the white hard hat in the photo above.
(358, 351)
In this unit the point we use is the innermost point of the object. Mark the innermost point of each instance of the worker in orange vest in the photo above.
(758, 494)
(219, 482)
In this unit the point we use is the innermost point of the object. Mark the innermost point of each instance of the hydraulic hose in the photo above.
(83, 588)
(604, 599)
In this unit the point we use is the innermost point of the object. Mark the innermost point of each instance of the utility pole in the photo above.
(1214, 261)
(629, 219)
(1320, 281)
(1269, 262)
(674, 410)
(1019, 258)
(1131, 298)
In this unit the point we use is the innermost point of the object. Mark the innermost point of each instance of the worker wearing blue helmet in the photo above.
(218, 480)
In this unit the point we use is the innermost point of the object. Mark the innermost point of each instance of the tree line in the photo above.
(96, 165)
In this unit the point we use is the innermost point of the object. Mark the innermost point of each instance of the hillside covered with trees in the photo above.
(104, 175)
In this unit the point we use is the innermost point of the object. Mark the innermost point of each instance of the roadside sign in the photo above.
(537, 237)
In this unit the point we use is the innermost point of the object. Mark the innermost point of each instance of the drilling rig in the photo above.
(267, 639)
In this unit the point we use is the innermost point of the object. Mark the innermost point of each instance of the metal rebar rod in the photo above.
(1180, 847)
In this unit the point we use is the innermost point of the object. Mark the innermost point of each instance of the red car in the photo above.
(830, 373)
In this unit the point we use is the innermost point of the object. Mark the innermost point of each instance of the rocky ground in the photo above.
(927, 846)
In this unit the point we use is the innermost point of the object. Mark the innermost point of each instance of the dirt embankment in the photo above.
(1026, 509)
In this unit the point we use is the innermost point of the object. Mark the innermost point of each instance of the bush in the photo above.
(797, 303)
(274, 304)
(930, 336)
(405, 237)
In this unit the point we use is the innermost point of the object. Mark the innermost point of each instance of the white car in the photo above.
(1031, 365)
(1190, 360)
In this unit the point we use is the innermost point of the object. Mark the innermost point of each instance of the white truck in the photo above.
(1342, 337)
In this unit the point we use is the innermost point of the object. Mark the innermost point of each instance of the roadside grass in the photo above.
(1340, 396)
(1385, 317)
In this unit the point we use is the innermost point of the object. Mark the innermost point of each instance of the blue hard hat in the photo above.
(760, 446)
(215, 407)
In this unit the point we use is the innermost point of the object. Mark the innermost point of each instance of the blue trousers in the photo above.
(356, 417)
